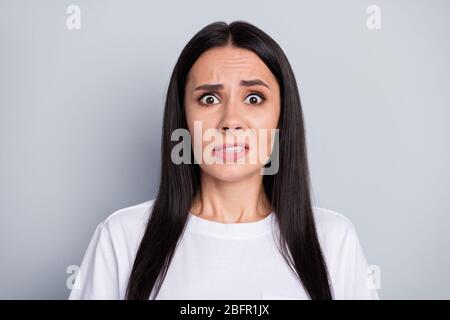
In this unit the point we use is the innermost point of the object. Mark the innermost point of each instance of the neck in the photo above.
(231, 202)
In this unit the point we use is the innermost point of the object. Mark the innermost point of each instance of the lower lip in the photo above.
(229, 156)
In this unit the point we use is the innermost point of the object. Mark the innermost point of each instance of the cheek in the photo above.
(198, 124)
(263, 148)
(194, 112)
(266, 126)
(266, 116)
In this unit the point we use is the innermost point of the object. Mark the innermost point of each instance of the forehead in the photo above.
(228, 64)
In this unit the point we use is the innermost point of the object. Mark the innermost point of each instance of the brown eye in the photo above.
(209, 99)
(254, 99)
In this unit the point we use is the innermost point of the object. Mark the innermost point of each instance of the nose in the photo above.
(231, 119)
(231, 127)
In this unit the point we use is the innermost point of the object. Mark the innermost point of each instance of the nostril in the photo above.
(232, 129)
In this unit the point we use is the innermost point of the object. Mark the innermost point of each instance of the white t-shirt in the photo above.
(216, 260)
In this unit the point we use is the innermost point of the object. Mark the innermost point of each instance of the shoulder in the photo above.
(344, 255)
(129, 216)
(110, 254)
(334, 229)
(129, 223)
(331, 222)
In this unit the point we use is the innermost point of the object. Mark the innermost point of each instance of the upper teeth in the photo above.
(234, 149)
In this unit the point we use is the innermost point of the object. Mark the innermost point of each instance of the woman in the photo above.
(230, 228)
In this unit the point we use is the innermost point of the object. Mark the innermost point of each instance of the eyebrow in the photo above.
(219, 86)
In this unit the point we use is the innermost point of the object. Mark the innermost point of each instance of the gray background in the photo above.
(81, 114)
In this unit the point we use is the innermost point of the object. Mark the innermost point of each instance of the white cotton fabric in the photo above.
(216, 260)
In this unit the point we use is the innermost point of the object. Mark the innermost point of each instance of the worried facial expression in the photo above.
(233, 100)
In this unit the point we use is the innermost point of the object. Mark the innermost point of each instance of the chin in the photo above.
(231, 172)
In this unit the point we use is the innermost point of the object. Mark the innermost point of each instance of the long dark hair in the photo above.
(288, 190)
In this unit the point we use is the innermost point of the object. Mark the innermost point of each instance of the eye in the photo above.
(208, 99)
(254, 98)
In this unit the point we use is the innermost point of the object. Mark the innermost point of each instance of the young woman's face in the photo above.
(231, 97)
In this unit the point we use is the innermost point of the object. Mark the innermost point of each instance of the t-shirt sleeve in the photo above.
(97, 277)
(354, 280)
